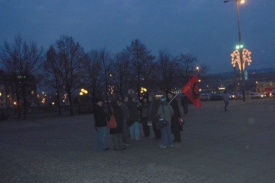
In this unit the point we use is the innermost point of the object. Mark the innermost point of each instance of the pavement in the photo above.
(234, 146)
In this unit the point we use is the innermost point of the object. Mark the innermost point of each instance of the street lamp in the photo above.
(238, 2)
(198, 69)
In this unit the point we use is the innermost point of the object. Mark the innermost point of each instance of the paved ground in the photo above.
(236, 146)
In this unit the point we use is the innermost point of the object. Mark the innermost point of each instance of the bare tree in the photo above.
(106, 65)
(70, 56)
(121, 72)
(168, 68)
(140, 57)
(203, 69)
(187, 65)
(21, 62)
(95, 73)
(53, 76)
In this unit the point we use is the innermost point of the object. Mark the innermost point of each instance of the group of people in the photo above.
(129, 114)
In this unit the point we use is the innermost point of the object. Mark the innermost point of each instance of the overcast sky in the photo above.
(206, 29)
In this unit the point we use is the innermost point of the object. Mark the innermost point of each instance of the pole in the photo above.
(241, 49)
(235, 84)
(173, 98)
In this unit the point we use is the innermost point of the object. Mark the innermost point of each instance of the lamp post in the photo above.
(240, 43)
(198, 71)
(236, 60)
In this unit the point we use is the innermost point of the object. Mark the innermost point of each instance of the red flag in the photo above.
(191, 90)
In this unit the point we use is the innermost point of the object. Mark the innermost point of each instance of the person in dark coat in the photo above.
(126, 117)
(184, 104)
(100, 118)
(134, 115)
(175, 126)
(153, 117)
(117, 132)
(144, 110)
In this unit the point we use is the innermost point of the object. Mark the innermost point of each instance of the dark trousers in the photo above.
(185, 109)
(177, 136)
(126, 133)
(156, 131)
(117, 139)
(146, 128)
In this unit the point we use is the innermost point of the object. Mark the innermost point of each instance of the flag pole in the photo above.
(173, 98)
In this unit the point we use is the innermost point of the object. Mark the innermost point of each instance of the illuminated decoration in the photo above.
(43, 101)
(82, 92)
(52, 103)
(111, 89)
(235, 58)
(143, 90)
(65, 97)
(239, 59)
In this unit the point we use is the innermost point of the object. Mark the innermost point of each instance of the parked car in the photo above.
(252, 95)
(255, 95)
(216, 96)
(240, 94)
(205, 96)
(231, 96)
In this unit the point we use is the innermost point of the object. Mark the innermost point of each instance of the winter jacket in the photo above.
(118, 113)
(144, 110)
(125, 111)
(100, 117)
(165, 111)
(175, 126)
(133, 109)
(153, 109)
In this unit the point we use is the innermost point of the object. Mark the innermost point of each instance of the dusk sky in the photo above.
(206, 29)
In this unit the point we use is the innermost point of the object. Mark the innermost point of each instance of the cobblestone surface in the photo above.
(233, 146)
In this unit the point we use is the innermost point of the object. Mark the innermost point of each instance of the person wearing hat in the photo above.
(100, 118)
(165, 111)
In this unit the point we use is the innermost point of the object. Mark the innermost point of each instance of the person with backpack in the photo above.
(165, 112)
